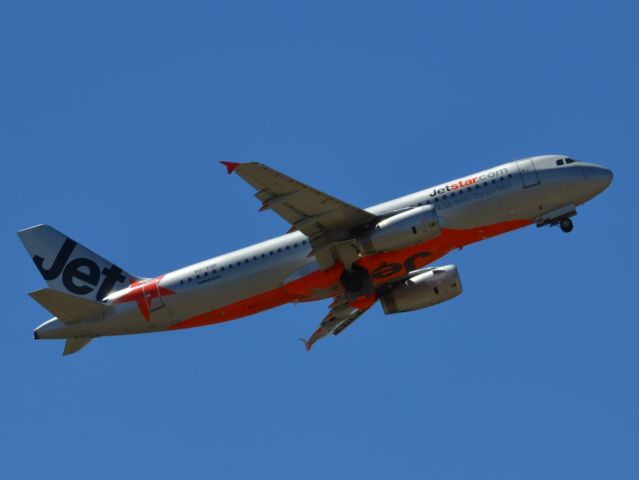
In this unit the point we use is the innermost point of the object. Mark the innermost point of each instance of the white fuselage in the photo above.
(513, 195)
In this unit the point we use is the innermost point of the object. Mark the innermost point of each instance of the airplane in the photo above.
(333, 250)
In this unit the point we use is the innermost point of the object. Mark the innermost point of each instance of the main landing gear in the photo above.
(357, 283)
(566, 225)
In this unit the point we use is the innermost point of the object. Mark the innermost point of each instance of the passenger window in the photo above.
(560, 162)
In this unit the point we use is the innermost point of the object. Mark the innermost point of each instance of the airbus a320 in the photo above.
(334, 250)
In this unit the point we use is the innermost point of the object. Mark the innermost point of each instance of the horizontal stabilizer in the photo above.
(75, 344)
(68, 308)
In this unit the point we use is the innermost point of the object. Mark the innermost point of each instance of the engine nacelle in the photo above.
(402, 230)
(423, 290)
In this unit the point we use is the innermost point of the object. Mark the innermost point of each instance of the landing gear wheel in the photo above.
(356, 282)
(566, 225)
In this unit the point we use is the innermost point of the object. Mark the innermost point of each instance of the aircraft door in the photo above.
(528, 173)
(153, 296)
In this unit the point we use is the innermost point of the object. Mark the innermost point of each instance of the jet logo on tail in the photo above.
(80, 275)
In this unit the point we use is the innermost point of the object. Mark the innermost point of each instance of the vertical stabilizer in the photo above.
(70, 267)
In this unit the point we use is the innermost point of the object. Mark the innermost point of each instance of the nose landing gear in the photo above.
(566, 225)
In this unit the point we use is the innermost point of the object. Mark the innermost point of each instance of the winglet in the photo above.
(306, 343)
(230, 166)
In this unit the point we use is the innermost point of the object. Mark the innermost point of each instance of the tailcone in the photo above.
(51, 329)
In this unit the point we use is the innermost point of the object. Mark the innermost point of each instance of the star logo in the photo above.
(143, 292)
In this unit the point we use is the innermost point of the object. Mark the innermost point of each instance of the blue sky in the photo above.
(113, 116)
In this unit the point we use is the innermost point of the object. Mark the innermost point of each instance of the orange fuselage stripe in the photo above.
(384, 267)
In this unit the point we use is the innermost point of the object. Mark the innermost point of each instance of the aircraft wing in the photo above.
(326, 220)
(340, 316)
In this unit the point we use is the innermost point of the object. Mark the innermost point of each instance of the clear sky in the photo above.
(113, 116)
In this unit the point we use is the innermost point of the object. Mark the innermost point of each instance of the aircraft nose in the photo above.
(602, 177)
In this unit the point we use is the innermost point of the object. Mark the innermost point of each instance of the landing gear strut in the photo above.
(356, 283)
(566, 225)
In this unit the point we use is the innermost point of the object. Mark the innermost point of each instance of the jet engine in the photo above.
(401, 230)
(422, 290)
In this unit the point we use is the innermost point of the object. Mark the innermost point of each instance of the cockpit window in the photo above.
(560, 161)
(570, 160)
